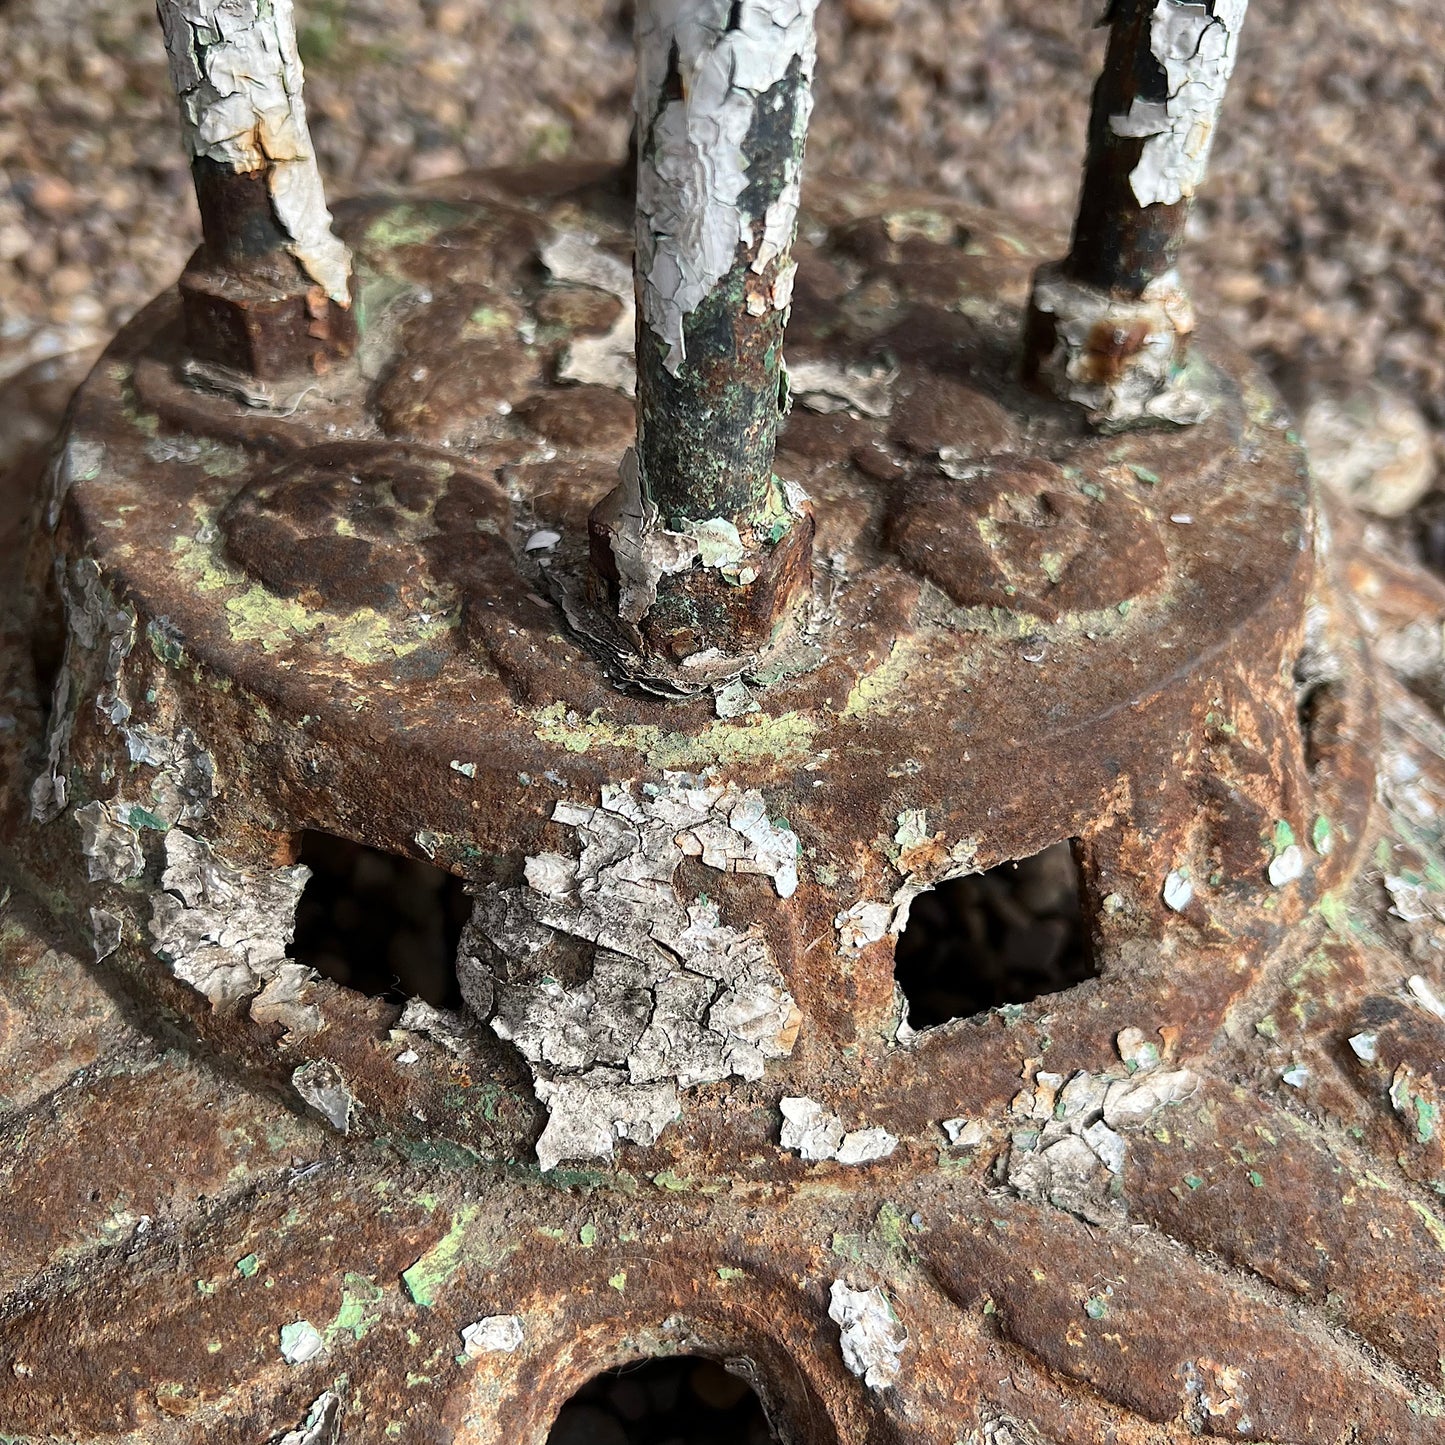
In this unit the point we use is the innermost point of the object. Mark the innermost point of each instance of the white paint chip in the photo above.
(873, 1338)
(816, 1135)
(496, 1334)
(300, 1342)
(322, 1425)
(1178, 891)
(1365, 1047)
(1423, 992)
(693, 174)
(1288, 867)
(674, 997)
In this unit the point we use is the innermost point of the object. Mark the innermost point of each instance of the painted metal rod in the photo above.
(724, 94)
(702, 549)
(264, 220)
(1111, 323)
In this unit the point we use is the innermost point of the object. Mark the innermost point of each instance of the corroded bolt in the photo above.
(702, 549)
(1109, 327)
(268, 294)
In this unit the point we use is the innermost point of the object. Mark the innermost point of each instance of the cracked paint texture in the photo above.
(693, 173)
(1195, 43)
(618, 991)
(238, 78)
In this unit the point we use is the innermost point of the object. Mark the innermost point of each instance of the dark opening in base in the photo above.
(383, 925)
(685, 1400)
(1009, 935)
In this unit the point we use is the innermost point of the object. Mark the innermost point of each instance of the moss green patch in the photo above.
(1432, 1223)
(434, 1270)
(360, 1306)
(757, 736)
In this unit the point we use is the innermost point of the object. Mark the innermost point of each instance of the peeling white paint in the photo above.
(322, 1085)
(81, 459)
(1091, 328)
(105, 931)
(448, 1027)
(810, 1131)
(965, 1133)
(300, 1342)
(94, 620)
(1288, 867)
(1424, 994)
(575, 258)
(1196, 43)
(223, 930)
(1069, 1146)
(1178, 891)
(110, 846)
(1365, 1047)
(496, 1334)
(322, 1425)
(671, 996)
(873, 1338)
(693, 172)
(825, 387)
(237, 75)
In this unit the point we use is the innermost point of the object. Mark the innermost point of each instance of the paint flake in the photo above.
(322, 1425)
(816, 1135)
(872, 1336)
(300, 1342)
(223, 930)
(616, 990)
(1195, 43)
(693, 177)
(496, 1334)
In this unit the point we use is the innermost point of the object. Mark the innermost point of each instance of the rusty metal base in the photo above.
(369, 613)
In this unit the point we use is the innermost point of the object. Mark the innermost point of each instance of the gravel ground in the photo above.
(1322, 234)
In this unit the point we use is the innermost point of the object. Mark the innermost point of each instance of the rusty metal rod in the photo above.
(724, 93)
(265, 225)
(1109, 326)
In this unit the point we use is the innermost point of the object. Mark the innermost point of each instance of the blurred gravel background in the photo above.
(1322, 235)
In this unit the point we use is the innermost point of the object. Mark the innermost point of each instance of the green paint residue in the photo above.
(361, 1299)
(434, 1270)
(619, 1281)
(727, 1274)
(667, 1179)
(248, 1266)
(1096, 1307)
(1193, 1181)
(1433, 1226)
(587, 1235)
(1283, 837)
(140, 817)
(1322, 835)
(1256, 1178)
(1267, 1027)
(1143, 474)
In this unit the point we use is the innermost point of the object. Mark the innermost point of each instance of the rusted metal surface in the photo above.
(1195, 1195)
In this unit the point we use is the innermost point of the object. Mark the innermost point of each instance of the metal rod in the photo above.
(1114, 307)
(723, 99)
(238, 79)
